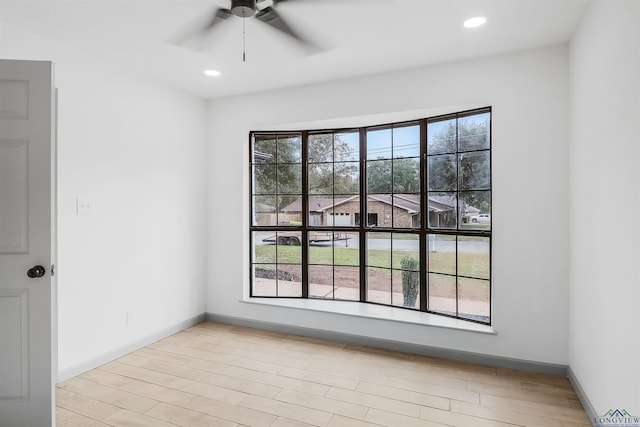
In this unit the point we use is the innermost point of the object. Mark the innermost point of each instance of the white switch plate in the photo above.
(84, 207)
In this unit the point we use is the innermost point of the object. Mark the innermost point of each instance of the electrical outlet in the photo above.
(84, 207)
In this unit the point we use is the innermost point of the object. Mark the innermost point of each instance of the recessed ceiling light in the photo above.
(475, 22)
(212, 73)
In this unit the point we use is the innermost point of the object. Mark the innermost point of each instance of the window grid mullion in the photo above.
(304, 208)
(424, 216)
(363, 215)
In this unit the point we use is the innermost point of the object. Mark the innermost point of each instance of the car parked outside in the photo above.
(482, 218)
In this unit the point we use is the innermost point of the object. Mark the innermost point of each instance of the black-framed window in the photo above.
(311, 192)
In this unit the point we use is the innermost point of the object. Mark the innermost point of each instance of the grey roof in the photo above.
(442, 203)
(408, 202)
(316, 204)
(263, 208)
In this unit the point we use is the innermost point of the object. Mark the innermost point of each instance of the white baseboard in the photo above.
(586, 403)
(93, 363)
(462, 356)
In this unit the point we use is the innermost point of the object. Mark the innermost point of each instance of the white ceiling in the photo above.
(359, 37)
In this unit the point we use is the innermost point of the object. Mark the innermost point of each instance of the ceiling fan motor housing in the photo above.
(243, 8)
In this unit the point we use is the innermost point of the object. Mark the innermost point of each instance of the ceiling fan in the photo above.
(252, 8)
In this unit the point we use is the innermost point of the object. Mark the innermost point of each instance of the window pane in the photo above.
(473, 257)
(320, 178)
(406, 175)
(282, 239)
(264, 150)
(473, 299)
(345, 249)
(442, 294)
(442, 173)
(319, 253)
(406, 141)
(407, 280)
(320, 148)
(441, 137)
(347, 147)
(406, 212)
(474, 171)
(264, 280)
(319, 206)
(473, 132)
(379, 177)
(264, 248)
(291, 204)
(442, 210)
(379, 285)
(340, 219)
(290, 248)
(333, 265)
(442, 253)
(326, 239)
(264, 210)
(477, 208)
(321, 281)
(289, 178)
(330, 217)
(346, 210)
(379, 250)
(406, 288)
(347, 283)
(289, 149)
(287, 213)
(347, 178)
(406, 250)
(379, 144)
(264, 179)
(289, 280)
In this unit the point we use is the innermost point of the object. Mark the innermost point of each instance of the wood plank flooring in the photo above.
(222, 375)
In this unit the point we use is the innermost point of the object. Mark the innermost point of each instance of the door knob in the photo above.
(36, 271)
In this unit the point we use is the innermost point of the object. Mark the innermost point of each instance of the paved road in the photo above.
(473, 246)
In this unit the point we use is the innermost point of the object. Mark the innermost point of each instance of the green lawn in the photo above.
(469, 264)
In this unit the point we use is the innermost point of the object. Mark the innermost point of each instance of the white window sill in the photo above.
(373, 311)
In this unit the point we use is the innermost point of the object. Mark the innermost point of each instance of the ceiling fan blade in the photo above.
(219, 16)
(270, 17)
(200, 29)
(276, 2)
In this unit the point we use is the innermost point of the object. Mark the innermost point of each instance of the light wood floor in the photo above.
(222, 375)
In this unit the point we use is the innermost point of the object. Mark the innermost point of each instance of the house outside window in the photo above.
(310, 191)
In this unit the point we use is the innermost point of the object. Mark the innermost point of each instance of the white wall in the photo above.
(605, 198)
(135, 150)
(529, 95)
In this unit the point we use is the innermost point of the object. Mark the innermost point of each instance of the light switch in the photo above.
(84, 207)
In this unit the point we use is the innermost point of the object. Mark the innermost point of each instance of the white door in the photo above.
(27, 335)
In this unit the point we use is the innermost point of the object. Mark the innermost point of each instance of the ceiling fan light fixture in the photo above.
(211, 73)
(243, 8)
(475, 22)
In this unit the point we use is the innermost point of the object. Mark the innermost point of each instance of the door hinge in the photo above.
(53, 269)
